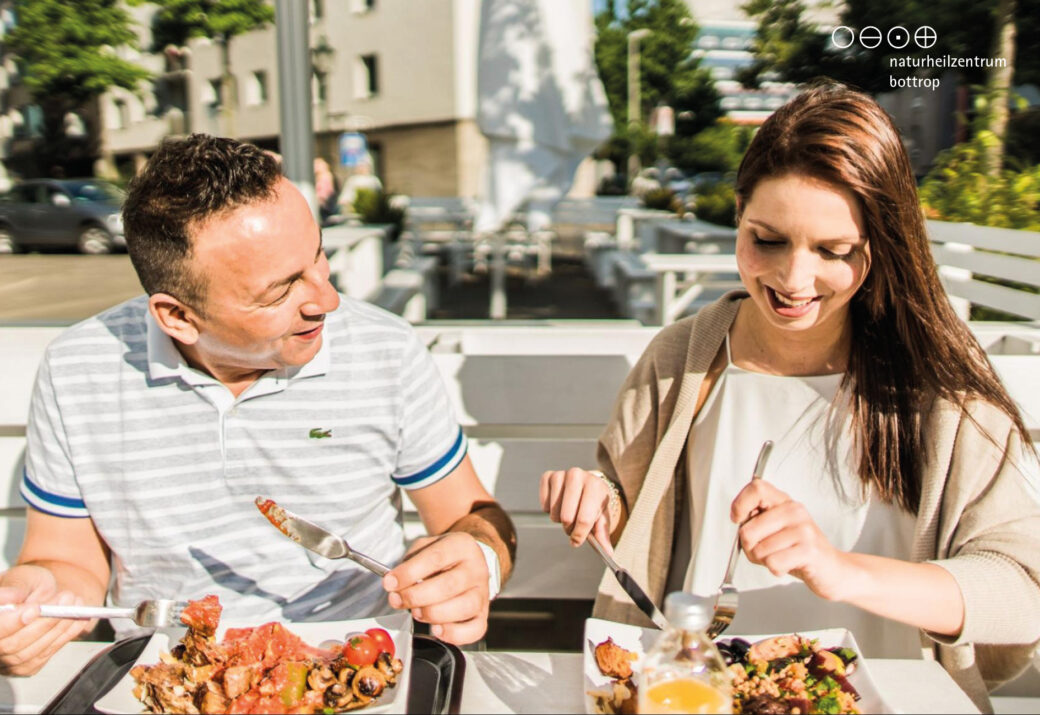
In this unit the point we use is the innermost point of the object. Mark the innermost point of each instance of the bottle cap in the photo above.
(688, 611)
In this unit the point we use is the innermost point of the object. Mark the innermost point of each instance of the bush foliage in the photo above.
(374, 206)
(960, 188)
(717, 203)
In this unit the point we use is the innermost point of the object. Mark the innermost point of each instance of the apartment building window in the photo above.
(256, 89)
(366, 76)
(317, 9)
(121, 115)
(211, 93)
(319, 87)
(360, 7)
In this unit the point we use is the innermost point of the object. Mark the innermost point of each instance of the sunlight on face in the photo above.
(268, 286)
(802, 252)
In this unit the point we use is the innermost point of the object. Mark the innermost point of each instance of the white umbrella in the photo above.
(540, 103)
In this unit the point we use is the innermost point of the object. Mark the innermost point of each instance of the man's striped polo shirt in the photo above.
(167, 462)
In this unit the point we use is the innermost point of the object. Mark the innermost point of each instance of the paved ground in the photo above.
(60, 287)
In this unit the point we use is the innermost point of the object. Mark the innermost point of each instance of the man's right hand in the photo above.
(27, 641)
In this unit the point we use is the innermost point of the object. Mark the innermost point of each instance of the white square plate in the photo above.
(639, 640)
(120, 699)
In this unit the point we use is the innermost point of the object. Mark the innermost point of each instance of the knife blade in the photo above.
(630, 586)
(311, 536)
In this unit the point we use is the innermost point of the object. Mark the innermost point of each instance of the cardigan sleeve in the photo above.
(991, 519)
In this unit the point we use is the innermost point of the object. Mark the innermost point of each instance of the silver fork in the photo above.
(156, 613)
(726, 600)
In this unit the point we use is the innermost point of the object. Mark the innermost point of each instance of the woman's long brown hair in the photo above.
(908, 345)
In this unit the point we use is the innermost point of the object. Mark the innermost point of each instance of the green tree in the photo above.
(65, 55)
(668, 74)
(793, 48)
(222, 20)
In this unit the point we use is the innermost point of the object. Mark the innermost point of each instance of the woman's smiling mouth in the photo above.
(790, 306)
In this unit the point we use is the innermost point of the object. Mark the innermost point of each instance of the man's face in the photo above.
(267, 285)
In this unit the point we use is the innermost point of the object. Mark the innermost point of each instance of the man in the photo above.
(154, 425)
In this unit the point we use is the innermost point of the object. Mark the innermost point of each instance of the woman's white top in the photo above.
(814, 461)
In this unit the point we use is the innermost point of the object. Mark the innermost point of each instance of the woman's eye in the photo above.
(840, 255)
(764, 242)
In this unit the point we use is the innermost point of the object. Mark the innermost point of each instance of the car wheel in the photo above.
(94, 240)
(7, 242)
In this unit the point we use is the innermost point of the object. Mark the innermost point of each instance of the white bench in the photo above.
(634, 286)
(411, 290)
(964, 251)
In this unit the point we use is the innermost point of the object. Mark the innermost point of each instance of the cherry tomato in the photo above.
(383, 640)
(360, 650)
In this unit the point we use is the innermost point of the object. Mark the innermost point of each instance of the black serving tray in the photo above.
(435, 684)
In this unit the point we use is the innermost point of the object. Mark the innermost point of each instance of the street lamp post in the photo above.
(634, 111)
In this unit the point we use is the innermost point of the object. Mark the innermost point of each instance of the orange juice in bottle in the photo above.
(683, 672)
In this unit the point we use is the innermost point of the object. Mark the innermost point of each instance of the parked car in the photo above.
(62, 213)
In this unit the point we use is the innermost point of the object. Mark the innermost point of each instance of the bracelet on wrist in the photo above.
(613, 498)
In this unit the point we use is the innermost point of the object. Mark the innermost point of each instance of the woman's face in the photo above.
(802, 252)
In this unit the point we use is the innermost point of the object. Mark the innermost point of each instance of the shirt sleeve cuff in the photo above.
(439, 469)
(494, 570)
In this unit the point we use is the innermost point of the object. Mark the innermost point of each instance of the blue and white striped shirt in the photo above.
(167, 462)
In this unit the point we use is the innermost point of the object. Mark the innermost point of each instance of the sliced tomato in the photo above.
(383, 640)
(360, 650)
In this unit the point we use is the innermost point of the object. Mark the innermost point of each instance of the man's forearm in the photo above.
(488, 523)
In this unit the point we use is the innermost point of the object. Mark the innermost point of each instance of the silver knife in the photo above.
(313, 537)
(633, 589)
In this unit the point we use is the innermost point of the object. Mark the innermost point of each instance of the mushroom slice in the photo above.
(368, 682)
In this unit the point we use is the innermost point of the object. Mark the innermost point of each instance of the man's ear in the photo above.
(175, 318)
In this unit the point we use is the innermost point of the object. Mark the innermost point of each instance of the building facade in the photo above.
(401, 72)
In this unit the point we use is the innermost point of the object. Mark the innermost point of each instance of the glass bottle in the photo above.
(683, 672)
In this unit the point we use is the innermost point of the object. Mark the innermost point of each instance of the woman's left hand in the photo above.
(779, 533)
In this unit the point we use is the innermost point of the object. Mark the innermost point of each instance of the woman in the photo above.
(900, 500)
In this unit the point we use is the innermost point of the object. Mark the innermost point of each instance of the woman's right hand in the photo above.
(579, 500)
(28, 641)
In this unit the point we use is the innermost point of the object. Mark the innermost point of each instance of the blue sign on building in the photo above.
(353, 148)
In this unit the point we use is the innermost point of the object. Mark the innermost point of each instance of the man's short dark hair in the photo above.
(185, 183)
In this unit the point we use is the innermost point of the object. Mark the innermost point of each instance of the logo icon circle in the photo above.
(898, 37)
(870, 37)
(846, 34)
(925, 37)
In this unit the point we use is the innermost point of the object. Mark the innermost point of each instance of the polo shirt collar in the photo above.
(166, 361)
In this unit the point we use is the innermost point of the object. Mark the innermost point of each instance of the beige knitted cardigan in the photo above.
(977, 517)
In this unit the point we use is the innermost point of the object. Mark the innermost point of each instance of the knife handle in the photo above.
(372, 565)
(610, 562)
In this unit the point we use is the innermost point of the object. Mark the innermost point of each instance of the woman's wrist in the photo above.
(614, 506)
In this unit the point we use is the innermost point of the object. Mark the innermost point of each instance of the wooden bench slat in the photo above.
(995, 265)
(1008, 240)
(1009, 300)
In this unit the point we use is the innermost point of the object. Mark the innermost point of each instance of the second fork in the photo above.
(727, 598)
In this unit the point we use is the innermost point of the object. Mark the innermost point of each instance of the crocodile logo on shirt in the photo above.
(319, 433)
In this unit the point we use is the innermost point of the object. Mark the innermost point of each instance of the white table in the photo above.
(696, 268)
(507, 682)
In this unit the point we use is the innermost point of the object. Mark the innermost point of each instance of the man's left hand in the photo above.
(444, 582)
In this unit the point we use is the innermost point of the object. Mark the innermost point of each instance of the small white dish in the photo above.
(639, 640)
(120, 699)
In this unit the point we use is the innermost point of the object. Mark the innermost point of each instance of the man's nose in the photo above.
(323, 299)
